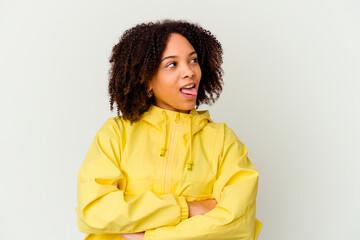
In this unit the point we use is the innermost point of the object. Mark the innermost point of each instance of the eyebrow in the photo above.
(176, 56)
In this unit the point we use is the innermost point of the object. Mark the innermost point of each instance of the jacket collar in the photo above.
(155, 116)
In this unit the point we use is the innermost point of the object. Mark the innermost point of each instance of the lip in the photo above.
(190, 83)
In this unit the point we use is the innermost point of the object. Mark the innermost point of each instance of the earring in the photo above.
(150, 93)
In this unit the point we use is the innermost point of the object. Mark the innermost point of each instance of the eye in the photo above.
(194, 60)
(171, 65)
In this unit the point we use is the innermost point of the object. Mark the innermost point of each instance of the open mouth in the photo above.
(189, 90)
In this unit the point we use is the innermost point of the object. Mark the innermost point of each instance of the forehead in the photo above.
(177, 44)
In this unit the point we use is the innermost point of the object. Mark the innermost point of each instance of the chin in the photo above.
(186, 108)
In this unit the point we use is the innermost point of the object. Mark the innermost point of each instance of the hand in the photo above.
(133, 236)
(201, 207)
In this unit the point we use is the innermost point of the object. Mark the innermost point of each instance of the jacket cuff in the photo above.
(184, 208)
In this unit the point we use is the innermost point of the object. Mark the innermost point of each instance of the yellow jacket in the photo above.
(137, 177)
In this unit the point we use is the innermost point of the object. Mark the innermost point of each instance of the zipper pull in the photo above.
(163, 150)
(177, 117)
(189, 166)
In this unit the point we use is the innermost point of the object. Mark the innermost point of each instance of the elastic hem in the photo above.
(184, 208)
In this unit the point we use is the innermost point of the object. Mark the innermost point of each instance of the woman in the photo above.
(163, 170)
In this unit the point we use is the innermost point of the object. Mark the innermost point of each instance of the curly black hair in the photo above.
(136, 58)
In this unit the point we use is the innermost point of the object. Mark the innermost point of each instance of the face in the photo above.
(176, 82)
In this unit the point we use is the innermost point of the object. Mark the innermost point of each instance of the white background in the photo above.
(291, 95)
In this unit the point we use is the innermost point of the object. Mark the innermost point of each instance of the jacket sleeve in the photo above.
(235, 191)
(102, 206)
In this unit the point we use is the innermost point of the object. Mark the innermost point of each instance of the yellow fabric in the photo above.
(137, 178)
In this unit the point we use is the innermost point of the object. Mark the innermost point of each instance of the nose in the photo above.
(187, 71)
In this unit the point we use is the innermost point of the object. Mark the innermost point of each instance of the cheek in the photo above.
(165, 84)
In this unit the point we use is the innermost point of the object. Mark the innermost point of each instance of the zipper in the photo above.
(170, 156)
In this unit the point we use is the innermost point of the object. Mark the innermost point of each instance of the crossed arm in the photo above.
(195, 208)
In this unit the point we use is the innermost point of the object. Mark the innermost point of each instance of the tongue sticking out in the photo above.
(190, 91)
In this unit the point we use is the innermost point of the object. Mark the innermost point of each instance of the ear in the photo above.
(150, 86)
